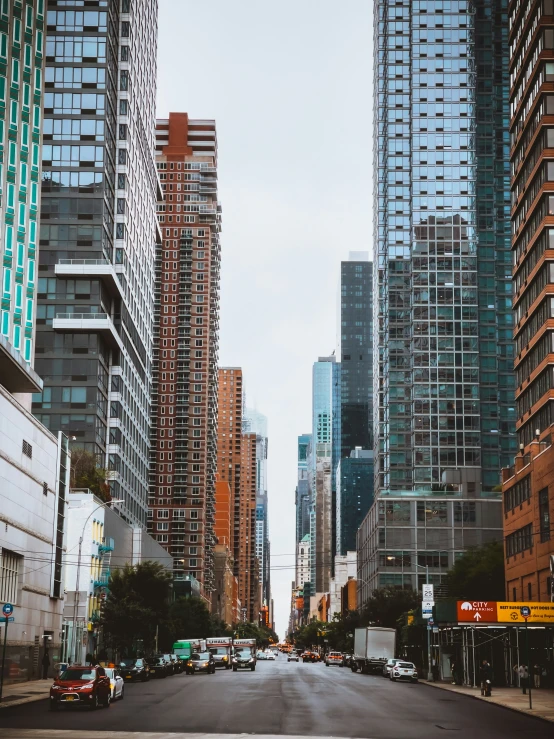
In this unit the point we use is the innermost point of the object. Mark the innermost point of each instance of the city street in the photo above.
(281, 698)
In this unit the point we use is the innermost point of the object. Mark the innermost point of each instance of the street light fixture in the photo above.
(76, 603)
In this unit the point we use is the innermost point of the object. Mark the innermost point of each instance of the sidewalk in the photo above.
(18, 693)
(542, 699)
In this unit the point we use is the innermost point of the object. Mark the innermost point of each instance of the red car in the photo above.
(81, 686)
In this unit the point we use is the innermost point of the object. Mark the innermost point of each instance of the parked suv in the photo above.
(81, 686)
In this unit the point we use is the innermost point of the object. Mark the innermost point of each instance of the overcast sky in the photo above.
(288, 83)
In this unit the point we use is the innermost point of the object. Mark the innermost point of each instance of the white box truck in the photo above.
(220, 647)
(373, 646)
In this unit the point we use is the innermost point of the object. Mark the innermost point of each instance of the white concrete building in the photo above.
(34, 473)
(303, 561)
(346, 566)
(108, 542)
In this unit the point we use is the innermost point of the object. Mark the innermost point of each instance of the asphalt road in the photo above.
(285, 698)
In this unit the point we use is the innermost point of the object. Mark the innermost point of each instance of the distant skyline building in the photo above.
(249, 566)
(324, 457)
(302, 561)
(255, 422)
(302, 493)
(229, 445)
(98, 235)
(355, 351)
(354, 496)
(443, 349)
(183, 430)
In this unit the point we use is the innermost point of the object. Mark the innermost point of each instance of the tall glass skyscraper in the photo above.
(443, 379)
(98, 235)
(323, 460)
(355, 334)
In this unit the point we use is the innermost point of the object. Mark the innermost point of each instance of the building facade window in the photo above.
(544, 515)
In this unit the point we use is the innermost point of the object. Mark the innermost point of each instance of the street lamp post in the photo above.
(73, 653)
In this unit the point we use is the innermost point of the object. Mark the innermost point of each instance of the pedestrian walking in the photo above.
(485, 678)
(523, 673)
(537, 672)
(45, 665)
(453, 668)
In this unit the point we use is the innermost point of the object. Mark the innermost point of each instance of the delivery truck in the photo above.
(373, 646)
(183, 648)
(244, 654)
(220, 647)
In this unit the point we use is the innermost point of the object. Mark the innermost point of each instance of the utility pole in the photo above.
(429, 669)
(3, 657)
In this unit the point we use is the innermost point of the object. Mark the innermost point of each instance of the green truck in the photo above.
(183, 648)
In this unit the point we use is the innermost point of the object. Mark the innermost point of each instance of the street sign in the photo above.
(542, 613)
(7, 609)
(475, 611)
(431, 622)
(427, 605)
(3, 619)
(525, 612)
(427, 593)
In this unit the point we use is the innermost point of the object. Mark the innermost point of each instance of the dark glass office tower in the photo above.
(98, 234)
(356, 352)
(354, 496)
(443, 379)
(302, 493)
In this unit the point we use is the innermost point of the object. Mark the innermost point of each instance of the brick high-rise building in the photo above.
(229, 436)
(248, 563)
(236, 465)
(184, 391)
(225, 604)
(528, 487)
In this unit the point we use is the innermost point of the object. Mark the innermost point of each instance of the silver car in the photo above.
(404, 671)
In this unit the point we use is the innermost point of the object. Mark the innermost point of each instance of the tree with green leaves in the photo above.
(262, 634)
(311, 634)
(190, 618)
(137, 605)
(387, 605)
(478, 574)
(85, 473)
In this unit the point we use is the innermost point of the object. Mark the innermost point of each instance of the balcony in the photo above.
(102, 580)
(107, 544)
(91, 268)
(88, 323)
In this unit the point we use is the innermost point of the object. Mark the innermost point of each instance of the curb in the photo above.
(21, 701)
(491, 703)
